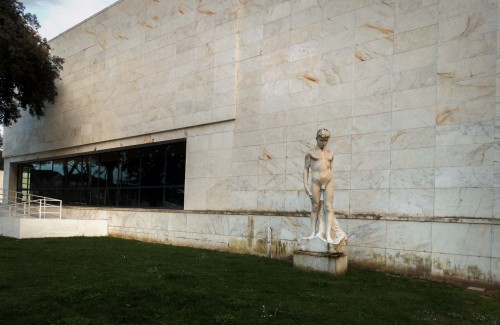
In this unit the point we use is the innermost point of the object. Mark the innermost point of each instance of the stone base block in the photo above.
(334, 263)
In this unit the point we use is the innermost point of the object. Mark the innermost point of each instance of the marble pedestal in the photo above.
(334, 263)
(317, 255)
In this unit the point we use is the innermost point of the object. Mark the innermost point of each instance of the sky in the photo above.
(56, 16)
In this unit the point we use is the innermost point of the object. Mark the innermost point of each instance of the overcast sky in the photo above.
(56, 16)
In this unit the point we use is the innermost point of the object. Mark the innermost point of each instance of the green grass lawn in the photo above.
(116, 281)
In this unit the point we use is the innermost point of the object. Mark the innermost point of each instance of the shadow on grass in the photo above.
(115, 281)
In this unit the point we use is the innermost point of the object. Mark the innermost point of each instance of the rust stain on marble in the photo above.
(441, 118)
(181, 10)
(359, 56)
(145, 24)
(383, 30)
(446, 75)
(206, 12)
(311, 78)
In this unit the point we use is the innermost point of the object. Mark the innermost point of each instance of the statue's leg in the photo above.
(329, 214)
(315, 202)
(321, 221)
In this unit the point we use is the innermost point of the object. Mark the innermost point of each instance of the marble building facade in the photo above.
(407, 88)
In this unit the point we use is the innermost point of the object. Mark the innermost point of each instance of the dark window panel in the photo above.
(174, 197)
(74, 171)
(128, 197)
(95, 170)
(153, 166)
(130, 163)
(109, 169)
(110, 196)
(151, 197)
(59, 173)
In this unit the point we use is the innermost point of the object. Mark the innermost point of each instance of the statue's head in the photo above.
(322, 137)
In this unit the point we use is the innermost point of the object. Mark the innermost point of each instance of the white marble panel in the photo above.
(412, 178)
(472, 176)
(372, 105)
(410, 236)
(413, 158)
(341, 144)
(367, 233)
(177, 222)
(338, 24)
(374, 160)
(370, 201)
(335, 110)
(334, 42)
(341, 201)
(373, 86)
(293, 228)
(463, 202)
(297, 200)
(480, 132)
(371, 123)
(451, 91)
(218, 193)
(419, 58)
(413, 138)
(383, 28)
(417, 38)
(414, 118)
(339, 58)
(244, 183)
(461, 239)
(276, 12)
(305, 33)
(418, 18)
(335, 93)
(271, 201)
(414, 202)
(465, 267)
(374, 49)
(243, 200)
(342, 162)
(465, 155)
(465, 112)
(337, 127)
(342, 180)
(371, 142)
(242, 168)
(374, 12)
(415, 98)
(496, 203)
(495, 241)
(373, 68)
(415, 78)
(306, 17)
(371, 179)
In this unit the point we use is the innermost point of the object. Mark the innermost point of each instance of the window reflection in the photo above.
(144, 177)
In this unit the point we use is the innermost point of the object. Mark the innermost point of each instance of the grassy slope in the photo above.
(114, 281)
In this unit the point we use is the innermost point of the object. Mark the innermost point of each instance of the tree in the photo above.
(28, 71)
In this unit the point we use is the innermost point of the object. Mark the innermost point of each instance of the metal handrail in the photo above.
(27, 205)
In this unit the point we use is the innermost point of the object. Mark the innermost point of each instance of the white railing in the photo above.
(26, 205)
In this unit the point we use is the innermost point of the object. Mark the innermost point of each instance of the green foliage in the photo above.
(115, 281)
(28, 71)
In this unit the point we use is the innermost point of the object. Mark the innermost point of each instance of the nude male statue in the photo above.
(320, 161)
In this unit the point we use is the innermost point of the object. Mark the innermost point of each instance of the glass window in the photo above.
(74, 171)
(59, 169)
(151, 176)
(109, 169)
(153, 166)
(130, 163)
